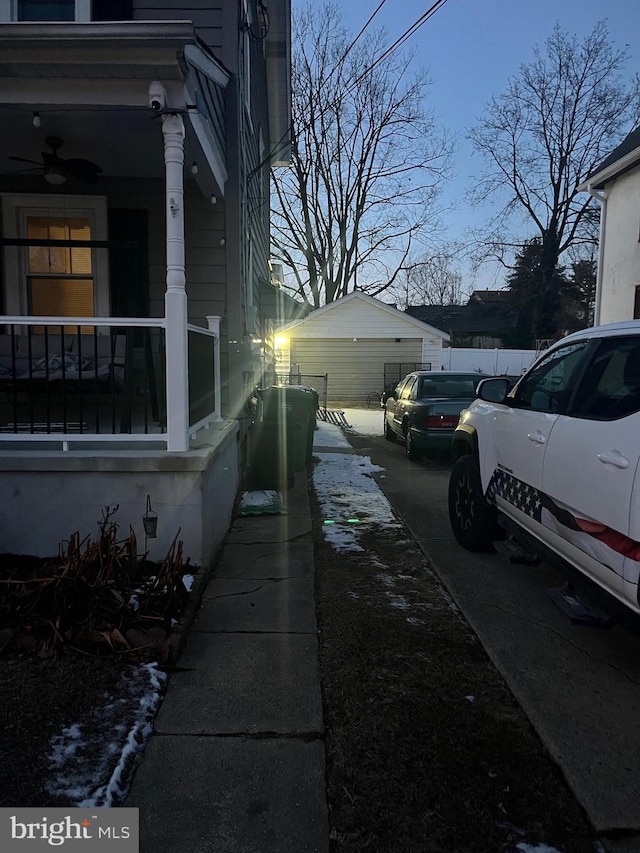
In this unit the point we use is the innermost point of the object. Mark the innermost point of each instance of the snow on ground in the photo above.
(80, 763)
(365, 421)
(351, 501)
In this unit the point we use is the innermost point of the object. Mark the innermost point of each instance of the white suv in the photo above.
(552, 463)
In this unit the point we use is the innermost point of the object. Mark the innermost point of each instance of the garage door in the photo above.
(355, 367)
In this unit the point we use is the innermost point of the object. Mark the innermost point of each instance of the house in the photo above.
(360, 343)
(484, 322)
(134, 186)
(616, 185)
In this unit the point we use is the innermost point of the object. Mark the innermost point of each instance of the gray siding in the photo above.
(206, 16)
(355, 368)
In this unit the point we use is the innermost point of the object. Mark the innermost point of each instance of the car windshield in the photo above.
(443, 385)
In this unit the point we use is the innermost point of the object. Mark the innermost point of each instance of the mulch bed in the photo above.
(427, 749)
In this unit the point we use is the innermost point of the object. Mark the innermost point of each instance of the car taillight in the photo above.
(441, 421)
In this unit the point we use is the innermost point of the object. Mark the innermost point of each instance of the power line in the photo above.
(401, 40)
(353, 42)
(417, 24)
(282, 142)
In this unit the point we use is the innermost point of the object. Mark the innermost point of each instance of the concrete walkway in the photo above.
(237, 761)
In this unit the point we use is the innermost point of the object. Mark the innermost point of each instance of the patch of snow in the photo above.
(398, 601)
(453, 606)
(329, 435)
(535, 848)
(470, 698)
(81, 764)
(188, 580)
(365, 421)
(413, 621)
(265, 497)
(353, 595)
(350, 500)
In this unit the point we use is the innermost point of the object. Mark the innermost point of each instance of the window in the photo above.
(112, 10)
(40, 10)
(611, 387)
(548, 387)
(407, 391)
(59, 280)
(66, 10)
(636, 303)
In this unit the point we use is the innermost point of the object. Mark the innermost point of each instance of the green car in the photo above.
(425, 407)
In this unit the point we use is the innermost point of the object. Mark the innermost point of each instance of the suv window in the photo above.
(548, 386)
(610, 388)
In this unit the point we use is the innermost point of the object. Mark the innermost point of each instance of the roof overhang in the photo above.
(382, 306)
(278, 61)
(90, 84)
(613, 170)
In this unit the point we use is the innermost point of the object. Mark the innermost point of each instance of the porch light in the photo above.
(280, 341)
(194, 168)
(36, 119)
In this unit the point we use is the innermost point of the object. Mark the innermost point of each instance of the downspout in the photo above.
(177, 375)
(602, 198)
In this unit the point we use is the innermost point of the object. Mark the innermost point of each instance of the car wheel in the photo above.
(409, 446)
(388, 432)
(474, 520)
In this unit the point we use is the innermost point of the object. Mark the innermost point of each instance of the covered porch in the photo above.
(113, 284)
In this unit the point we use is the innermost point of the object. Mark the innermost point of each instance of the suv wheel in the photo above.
(473, 520)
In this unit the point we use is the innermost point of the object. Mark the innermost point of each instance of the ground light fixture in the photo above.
(150, 521)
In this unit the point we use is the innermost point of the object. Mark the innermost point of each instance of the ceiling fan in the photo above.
(56, 169)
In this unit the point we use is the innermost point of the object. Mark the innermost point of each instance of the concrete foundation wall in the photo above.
(192, 493)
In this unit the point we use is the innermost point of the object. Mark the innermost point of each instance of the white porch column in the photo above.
(213, 322)
(176, 295)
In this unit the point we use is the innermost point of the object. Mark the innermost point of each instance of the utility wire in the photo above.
(352, 45)
(282, 142)
(400, 41)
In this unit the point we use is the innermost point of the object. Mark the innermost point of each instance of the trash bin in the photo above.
(283, 438)
(300, 405)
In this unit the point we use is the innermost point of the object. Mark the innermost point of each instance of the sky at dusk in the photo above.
(470, 49)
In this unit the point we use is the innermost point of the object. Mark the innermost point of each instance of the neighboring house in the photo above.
(134, 189)
(616, 185)
(483, 322)
(358, 341)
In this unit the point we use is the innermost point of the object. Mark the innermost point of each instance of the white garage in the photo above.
(358, 341)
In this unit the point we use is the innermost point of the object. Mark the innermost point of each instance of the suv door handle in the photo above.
(614, 457)
(537, 437)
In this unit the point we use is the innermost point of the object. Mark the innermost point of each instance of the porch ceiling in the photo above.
(89, 85)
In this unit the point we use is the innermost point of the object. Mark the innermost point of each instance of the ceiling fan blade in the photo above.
(24, 160)
(23, 171)
(83, 169)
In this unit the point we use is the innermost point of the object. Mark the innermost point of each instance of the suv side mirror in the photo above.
(494, 390)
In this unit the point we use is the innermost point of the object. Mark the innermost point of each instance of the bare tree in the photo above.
(556, 121)
(367, 162)
(433, 279)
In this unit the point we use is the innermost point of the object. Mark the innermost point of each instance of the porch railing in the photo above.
(81, 379)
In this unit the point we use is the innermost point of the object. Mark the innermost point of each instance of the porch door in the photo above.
(128, 263)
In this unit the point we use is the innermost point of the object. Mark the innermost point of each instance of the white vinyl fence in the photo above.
(512, 362)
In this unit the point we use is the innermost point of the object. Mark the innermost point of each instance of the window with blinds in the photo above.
(60, 279)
